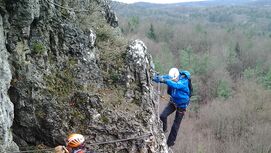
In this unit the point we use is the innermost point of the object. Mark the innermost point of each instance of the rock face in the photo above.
(6, 107)
(68, 74)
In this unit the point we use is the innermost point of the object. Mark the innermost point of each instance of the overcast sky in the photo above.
(157, 1)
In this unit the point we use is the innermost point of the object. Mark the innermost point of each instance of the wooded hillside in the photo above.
(227, 50)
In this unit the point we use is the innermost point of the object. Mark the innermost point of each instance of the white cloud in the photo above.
(157, 1)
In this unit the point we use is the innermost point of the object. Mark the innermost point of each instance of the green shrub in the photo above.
(223, 89)
(200, 65)
(249, 73)
(259, 76)
(186, 57)
(267, 80)
(38, 48)
(133, 23)
(104, 119)
(151, 33)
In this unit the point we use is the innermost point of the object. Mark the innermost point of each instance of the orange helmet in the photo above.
(75, 140)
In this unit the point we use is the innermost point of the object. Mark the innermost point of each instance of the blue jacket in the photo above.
(178, 91)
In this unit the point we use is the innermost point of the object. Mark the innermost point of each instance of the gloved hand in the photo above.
(162, 80)
(156, 79)
(61, 149)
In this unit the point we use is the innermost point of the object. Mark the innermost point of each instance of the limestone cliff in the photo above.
(6, 107)
(66, 68)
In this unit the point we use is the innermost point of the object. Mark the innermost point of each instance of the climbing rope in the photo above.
(91, 144)
(120, 140)
(157, 93)
(37, 150)
(63, 7)
(158, 99)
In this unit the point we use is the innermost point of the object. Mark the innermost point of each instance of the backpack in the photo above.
(190, 87)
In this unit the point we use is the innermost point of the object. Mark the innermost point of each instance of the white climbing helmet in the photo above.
(174, 73)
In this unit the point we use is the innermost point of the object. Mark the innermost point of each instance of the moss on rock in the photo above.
(38, 48)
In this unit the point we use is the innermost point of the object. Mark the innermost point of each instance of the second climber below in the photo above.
(179, 89)
(75, 143)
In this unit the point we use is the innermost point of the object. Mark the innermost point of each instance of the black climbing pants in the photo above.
(177, 121)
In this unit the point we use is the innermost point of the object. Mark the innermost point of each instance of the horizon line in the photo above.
(158, 2)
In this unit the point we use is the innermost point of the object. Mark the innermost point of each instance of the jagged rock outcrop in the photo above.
(69, 74)
(139, 68)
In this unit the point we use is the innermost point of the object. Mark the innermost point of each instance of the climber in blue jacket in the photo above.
(178, 89)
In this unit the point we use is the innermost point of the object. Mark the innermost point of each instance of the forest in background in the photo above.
(227, 49)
